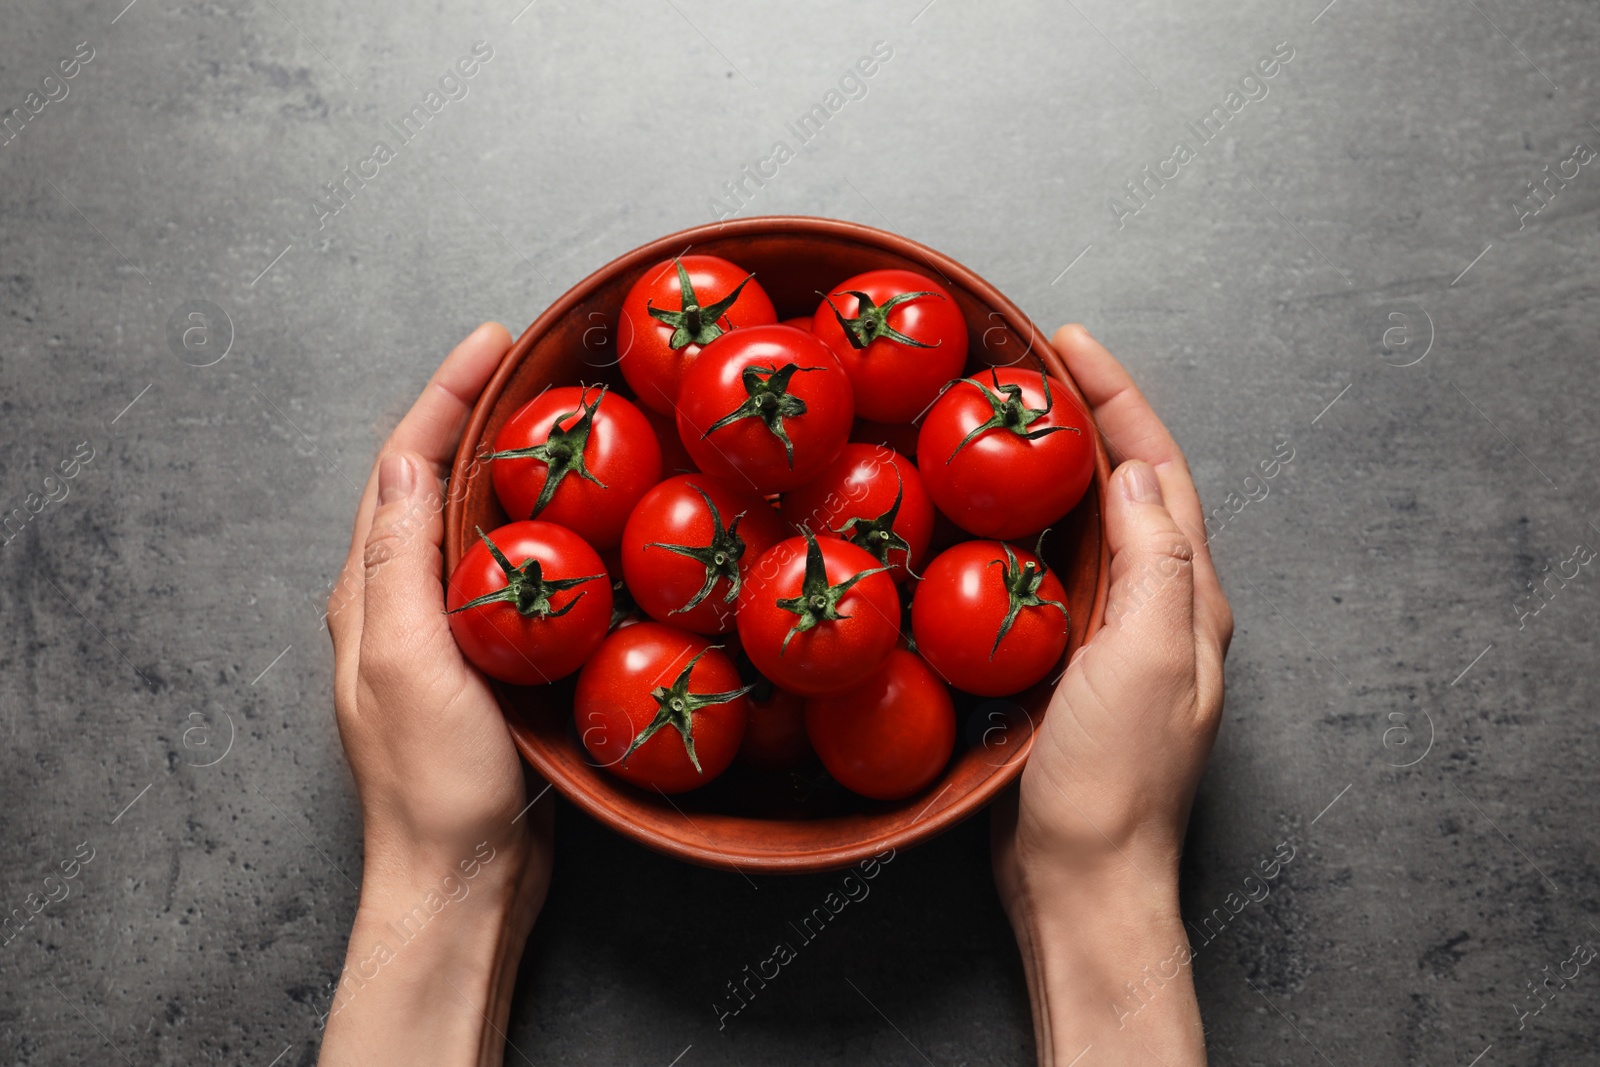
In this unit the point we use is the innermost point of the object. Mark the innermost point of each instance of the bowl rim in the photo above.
(596, 805)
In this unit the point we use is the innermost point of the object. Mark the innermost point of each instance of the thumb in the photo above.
(1152, 561)
(401, 557)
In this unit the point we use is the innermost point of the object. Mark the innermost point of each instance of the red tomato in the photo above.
(578, 456)
(889, 736)
(802, 322)
(990, 618)
(688, 546)
(817, 616)
(775, 734)
(660, 708)
(873, 498)
(1006, 453)
(528, 603)
(676, 308)
(765, 406)
(900, 337)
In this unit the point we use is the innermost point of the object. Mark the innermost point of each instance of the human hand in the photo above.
(455, 870)
(1086, 849)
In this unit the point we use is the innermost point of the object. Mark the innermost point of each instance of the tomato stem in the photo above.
(562, 450)
(720, 558)
(818, 601)
(769, 400)
(1022, 588)
(872, 320)
(693, 324)
(1010, 413)
(675, 707)
(526, 588)
(878, 535)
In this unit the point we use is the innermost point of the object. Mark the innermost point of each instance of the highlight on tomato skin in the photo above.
(674, 310)
(529, 602)
(661, 708)
(891, 735)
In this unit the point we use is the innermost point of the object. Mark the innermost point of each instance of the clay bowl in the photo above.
(773, 823)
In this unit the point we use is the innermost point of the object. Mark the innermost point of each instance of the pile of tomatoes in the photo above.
(740, 563)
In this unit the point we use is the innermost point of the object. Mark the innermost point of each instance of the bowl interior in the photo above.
(802, 821)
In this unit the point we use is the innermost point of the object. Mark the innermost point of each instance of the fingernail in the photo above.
(396, 478)
(1139, 483)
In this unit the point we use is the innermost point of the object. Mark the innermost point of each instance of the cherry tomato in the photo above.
(900, 337)
(775, 734)
(890, 735)
(689, 545)
(529, 603)
(673, 311)
(577, 456)
(661, 708)
(765, 406)
(817, 616)
(802, 322)
(674, 457)
(872, 497)
(1007, 452)
(991, 619)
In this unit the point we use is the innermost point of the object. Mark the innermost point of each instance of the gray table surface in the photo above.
(1353, 265)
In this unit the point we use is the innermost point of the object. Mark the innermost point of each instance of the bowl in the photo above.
(742, 821)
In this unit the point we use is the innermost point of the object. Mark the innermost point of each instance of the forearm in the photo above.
(1107, 963)
(431, 963)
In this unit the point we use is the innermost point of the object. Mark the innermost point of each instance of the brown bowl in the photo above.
(743, 821)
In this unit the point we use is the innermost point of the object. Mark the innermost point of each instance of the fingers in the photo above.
(404, 600)
(1152, 564)
(432, 429)
(1135, 431)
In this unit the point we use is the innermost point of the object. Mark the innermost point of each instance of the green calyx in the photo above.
(526, 588)
(1010, 413)
(1022, 588)
(720, 558)
(878, 535)
(818, 601)
(872, 320)
(693, 324)
(769, 400)
(675, 707)
(562, 450)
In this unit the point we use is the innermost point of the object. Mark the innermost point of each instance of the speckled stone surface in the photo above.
(1352, 265)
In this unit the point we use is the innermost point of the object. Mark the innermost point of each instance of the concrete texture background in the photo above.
(1396, 709)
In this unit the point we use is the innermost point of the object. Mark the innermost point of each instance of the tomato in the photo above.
(775, 734)
(802, 322)
(817, 616)
(765, 406)
(890, 735)
(873, 498)
(529, 603)
(991, 619)
(577, 456)
(661, 708)
(900, 337)
(674, 457)
(673, 311)
(689, 545)
(1006, 453)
